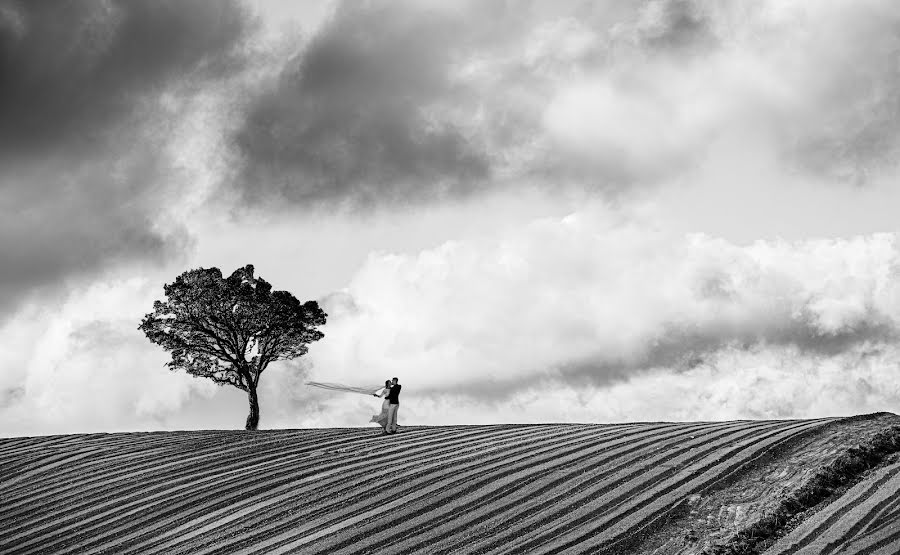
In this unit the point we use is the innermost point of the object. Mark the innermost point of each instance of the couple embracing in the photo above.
(387, 419)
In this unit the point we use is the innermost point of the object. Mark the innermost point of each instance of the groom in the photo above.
(394, 404)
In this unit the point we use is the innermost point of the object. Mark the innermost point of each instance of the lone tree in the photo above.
(231, 329)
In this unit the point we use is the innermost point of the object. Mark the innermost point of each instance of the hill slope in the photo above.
(556, 488)
(866, 521)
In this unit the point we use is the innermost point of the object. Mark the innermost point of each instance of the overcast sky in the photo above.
(561, 211)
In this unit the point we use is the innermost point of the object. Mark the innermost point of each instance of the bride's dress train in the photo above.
(381, 418)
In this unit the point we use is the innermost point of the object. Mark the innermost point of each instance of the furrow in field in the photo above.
(542, 489)
(891, 548)
(889, 516)
(816, 533)
(873, 521)
(834, 524)
(142, 499)
(111, 478)
(610, 488)
(885, 540)
(37, 451)
(17, 443)
(597, 512)
(329, 478)
(466, 478)
(114, 447)
(416, 484)
(420, 450)
(366, 481)
(488, 446)
(524, 499)
(459, 513)
(38, 446)
(656, 503)
(181, 514)
(875, 540)
(104, 458)
(33, 462)
(22, 446)
(106, 479)
(180, 456)
(353, 505)
(45, 466)
(652, 504)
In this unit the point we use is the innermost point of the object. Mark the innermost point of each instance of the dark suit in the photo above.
(393, 406)
(393, 393)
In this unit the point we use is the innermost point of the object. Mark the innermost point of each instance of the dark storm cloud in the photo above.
(70, 218)
(71, 69)
(348, 118)
(381, 105)
(681, 26)
(413, 101)
(83, 168)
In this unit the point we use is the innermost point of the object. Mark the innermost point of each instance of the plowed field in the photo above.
(866, 521)
(555, 488)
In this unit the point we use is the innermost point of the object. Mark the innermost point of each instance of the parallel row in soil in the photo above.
(464, 489)
(865, 520)
(749, 513)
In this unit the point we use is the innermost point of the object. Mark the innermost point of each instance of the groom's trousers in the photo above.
(391, 425)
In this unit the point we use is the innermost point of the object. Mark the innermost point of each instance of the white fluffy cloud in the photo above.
(592, 302)
(812, 86)
(84, 366)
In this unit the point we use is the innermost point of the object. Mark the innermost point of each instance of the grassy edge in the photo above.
(830, 482)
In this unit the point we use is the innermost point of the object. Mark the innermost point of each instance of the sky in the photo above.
(560, 211)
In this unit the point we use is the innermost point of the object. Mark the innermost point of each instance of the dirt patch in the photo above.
(748, 513)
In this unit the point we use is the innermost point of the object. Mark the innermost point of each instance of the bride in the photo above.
(381, 418)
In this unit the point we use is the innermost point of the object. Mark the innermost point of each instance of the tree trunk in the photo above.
(253, 418)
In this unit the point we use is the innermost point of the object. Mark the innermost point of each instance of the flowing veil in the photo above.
(365, 390)
(380, 418)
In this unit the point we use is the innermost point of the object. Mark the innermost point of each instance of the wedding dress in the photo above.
(381, 418)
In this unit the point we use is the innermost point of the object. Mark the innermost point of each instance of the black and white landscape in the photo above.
(534, 212)
(558, 223)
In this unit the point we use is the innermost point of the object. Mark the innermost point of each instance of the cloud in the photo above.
(760, 382)
(434, 102)
(592, 317)
(72, 71)
(591, 300)
(842, 60)
(84, 218)
(683, 77)
(84, 366)
(93, 99)
(347, 118)
(120, 119)
(437, 102)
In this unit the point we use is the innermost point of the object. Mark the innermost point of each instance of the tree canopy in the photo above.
(230, 329)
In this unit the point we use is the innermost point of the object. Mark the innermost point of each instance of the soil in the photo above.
(723, 520)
